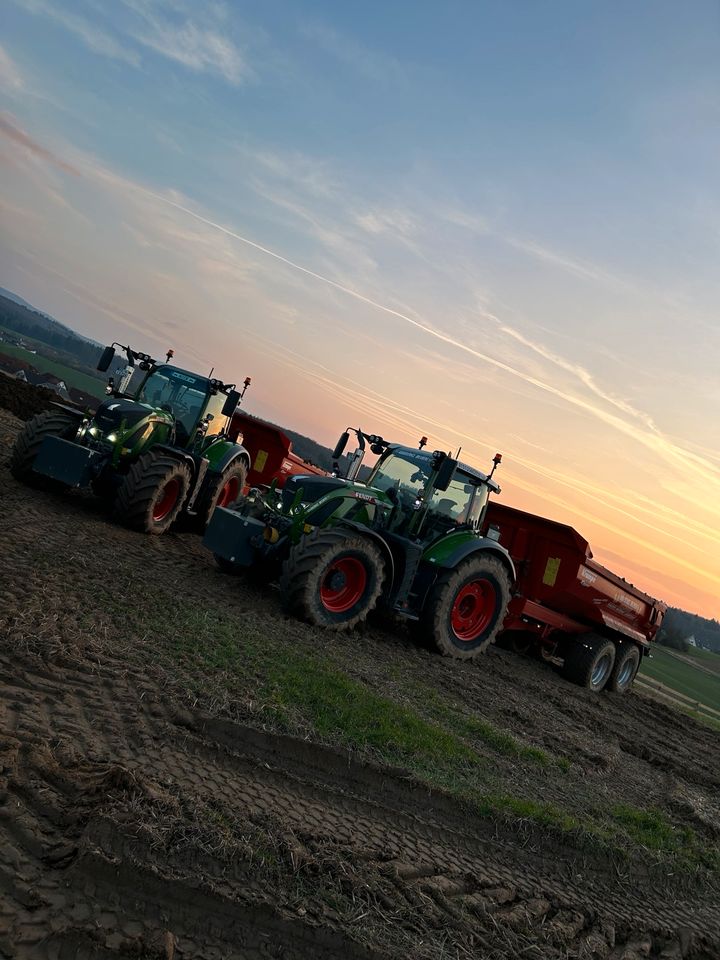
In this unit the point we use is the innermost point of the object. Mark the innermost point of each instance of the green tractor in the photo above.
(156, 448)
(408, 539)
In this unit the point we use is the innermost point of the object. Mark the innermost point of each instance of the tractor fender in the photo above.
(80, 414)
(479, 545)
(176, 454)
(378, 540)
(236, 452)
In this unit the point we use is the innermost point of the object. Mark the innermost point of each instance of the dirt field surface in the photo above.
(185, 772)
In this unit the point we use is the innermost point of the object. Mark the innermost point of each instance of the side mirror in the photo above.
(106, 358)
(340, 446)
(231, 402)
(445, 474)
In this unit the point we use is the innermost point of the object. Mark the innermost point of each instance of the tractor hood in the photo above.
(117, 410)
(313, 487)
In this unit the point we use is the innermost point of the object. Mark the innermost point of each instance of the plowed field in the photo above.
(186, 773)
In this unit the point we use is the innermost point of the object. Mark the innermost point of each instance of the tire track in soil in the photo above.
(420, 849)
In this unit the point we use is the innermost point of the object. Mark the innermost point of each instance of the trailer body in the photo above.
(561, 590)
(271, 452)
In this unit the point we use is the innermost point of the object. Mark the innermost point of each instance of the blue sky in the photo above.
(492, 222)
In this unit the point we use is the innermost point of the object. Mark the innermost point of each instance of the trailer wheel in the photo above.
(152, 494)
(466, 607)
(49, 423)
(332, 579)
(589, 661)
(627, 662)
(219, 490)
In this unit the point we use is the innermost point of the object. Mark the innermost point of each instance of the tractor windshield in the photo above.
(179, 393)
(404, 471)
(462, 502)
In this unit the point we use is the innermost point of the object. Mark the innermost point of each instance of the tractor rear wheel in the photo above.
(332, 579)
(589, 661)
(466, 607)
(627, 661)
(49, 423)
(152, 494)
(219, 490)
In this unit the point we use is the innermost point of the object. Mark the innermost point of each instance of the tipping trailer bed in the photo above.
(561, 589)
(271, 451)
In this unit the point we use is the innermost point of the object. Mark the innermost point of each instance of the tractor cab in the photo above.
(435, 493)
(188, 397)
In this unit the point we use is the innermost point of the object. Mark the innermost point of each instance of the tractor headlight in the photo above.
(93, 431)
(111, 437)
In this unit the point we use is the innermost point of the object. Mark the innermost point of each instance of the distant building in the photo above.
(691, 641)
(47, 381)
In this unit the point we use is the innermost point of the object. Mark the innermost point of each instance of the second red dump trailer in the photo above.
(570, 607)
(270, 449)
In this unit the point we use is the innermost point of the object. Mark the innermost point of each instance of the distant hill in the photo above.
(26, 321)
(9, 295)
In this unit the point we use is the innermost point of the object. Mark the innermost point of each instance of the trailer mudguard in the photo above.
(477, 545)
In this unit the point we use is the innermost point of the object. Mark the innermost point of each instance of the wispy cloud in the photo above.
(10, 76)
(21, 138)
(585, 270)
(195, 37)
(583, 375)
(199, 48)
(93, 36)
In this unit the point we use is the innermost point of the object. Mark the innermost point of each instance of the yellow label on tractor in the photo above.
(551, 571)
(260, 460)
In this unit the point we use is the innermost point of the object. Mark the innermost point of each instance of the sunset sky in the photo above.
(495, 223)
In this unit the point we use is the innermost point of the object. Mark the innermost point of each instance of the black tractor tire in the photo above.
(466, 607)
(627, 662)
(332, 578)
(49, 423)
(219, 490)
(589, 661)
(153, 493)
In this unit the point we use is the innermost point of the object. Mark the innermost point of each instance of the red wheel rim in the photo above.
(473, 609)
(229, 492)
(166, 500)
(343, 584)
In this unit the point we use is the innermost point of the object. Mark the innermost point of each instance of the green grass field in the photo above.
(73, 378)
(706, 658)
(686, 679)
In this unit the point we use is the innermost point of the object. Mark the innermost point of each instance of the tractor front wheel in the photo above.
(332, 579)
(219, 490)
(152, 494)
(466, 608)
(49, 423)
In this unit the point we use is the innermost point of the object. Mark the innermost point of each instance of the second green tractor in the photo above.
(408, 540)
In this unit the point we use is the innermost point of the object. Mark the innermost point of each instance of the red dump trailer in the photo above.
(570, 607)
(270, 450)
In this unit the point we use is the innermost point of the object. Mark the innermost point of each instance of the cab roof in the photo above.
(474, 474)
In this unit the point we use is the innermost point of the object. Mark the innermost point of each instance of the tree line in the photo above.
(679, 625)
